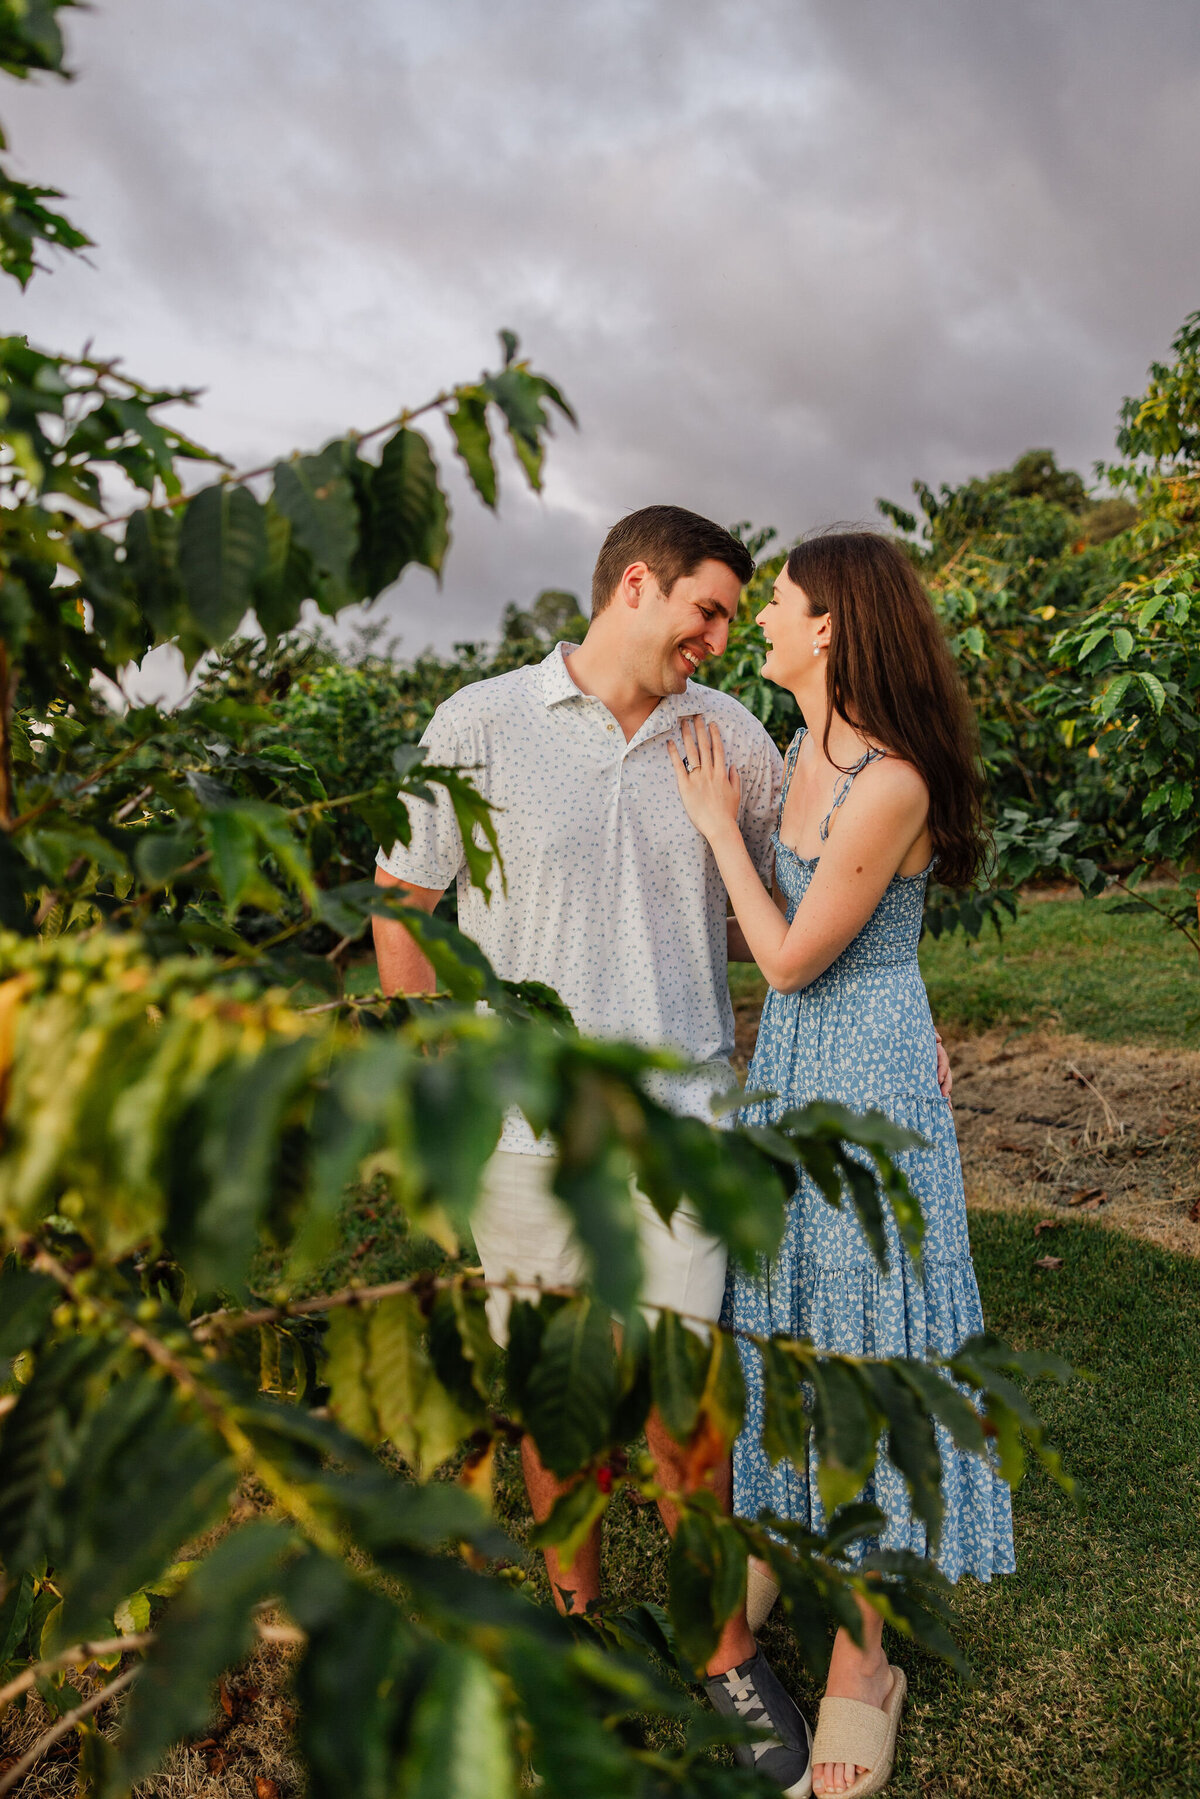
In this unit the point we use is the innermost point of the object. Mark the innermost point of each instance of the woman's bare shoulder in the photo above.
(891, 775)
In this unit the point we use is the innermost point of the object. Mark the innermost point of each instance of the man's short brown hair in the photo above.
(672, 542)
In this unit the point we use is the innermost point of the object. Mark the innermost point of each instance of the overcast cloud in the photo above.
(782, 256)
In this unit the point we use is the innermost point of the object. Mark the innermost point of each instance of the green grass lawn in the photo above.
(1115, 977)
(1118, 978)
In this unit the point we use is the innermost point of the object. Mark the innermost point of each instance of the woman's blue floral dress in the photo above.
(862, 1034)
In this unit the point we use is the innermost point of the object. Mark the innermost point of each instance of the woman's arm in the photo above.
(878, 825)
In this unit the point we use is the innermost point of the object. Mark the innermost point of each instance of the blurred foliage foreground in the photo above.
(171, 885)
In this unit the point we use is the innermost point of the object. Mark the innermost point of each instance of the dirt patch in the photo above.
(246, 1752)
(1110, 1131)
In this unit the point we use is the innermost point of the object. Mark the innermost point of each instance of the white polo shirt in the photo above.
(614, 898)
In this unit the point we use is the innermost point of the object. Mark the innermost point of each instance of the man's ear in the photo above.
(634, 584)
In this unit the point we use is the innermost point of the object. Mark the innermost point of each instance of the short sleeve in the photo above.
(434, 855)
(762, 783)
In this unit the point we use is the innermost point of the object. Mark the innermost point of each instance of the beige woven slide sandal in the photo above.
(861, 1736)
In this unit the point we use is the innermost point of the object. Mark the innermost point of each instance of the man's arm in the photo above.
(402, 967)
(736, 947)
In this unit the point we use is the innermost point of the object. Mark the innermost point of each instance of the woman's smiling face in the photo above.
(793, 632)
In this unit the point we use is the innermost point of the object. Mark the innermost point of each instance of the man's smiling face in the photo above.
(680, 630)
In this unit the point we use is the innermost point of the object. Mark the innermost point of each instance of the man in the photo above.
(615, 901)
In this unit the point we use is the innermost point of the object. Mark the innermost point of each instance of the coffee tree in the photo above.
(186, 1091)
(1134, 661)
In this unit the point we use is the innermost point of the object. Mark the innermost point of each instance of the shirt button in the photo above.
(610, 727)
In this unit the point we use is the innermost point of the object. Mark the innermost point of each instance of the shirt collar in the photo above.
(553, 680)
(555, 684)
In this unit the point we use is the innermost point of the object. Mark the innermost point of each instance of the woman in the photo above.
(880, 787)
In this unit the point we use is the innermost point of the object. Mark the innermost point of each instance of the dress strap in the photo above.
(843, 787)
(789, 769)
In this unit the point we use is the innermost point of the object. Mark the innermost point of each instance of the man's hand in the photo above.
(944, 1071)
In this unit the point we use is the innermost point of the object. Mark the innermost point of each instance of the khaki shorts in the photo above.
(522, 1229)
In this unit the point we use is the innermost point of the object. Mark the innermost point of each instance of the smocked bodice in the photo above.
(892, 932)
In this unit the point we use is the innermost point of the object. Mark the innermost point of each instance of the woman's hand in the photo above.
(710, 791)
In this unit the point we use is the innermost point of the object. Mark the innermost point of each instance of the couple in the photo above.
(634, 810)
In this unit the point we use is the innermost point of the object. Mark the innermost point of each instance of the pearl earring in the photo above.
(816, 649)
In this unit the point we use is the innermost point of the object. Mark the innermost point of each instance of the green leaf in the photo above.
(17, 878)
(527, 1323)
(240, 837)
(457, 1115)
(152, 559)
(409, 515)
(708, 1580)
(679, 1364)
(459, 1743)
(36, 1433)
(287, 577)
(1090, 642)
(222, 548)
(315, 495)
(519, 395)
(786, 1420)
(575, 1751)
(845, 1430)
(220, 1194)
(208, 1628)
(160, 855)
(1155, 692)
(233, 841)
(26, 1302)
(1123, 642)
(133, 1614)
(592, 1180)
(573, 1517)
(571, 1390)
(24, 220)
(911, 1445)
(16, 614)
(354, 1684)
(1113, 694)
(148, 1475)
(461, 1344)
(14, 1615)
(473, 441)
(348, 1373)
(383, 1383)
(723, 1401)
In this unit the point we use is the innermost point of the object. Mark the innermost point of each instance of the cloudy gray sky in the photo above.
(782, 255)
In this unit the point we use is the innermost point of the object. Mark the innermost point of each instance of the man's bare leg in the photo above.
(583, 1579)
(735, 1644)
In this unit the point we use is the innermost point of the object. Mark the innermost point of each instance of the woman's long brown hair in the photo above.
(890, 675)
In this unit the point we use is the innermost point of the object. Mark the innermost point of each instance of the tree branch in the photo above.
(67, 1722)
(181, 499)
(58, 799)
(77, 1656)
(80, 1654)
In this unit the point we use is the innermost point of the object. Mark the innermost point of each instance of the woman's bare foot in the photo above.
(854, 1673)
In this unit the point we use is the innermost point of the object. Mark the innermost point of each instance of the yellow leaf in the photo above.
(11, 994)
